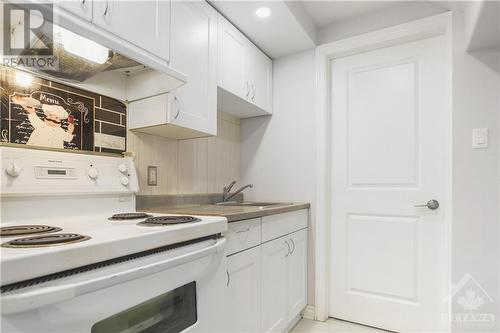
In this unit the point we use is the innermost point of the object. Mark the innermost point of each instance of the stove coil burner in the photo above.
(46, 240)
(22, 230)
(128, 216)
(168, 220)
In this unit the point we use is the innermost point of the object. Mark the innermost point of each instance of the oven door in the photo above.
(173, 291)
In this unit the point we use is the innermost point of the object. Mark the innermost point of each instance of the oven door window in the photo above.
(171, 312)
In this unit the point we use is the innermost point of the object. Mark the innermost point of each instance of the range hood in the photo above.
(78, 58)
(84, 63)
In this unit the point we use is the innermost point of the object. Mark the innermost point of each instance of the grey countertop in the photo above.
(232, 213)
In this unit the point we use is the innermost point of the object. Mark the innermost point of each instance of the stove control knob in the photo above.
(124, 181)
(93, 174)
(123, 168)
(13, 170)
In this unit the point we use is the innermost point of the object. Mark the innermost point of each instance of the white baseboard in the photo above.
(308, 312)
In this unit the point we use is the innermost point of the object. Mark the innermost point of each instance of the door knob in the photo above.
(431, 204)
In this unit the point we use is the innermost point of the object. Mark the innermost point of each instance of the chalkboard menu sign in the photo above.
(43, 113)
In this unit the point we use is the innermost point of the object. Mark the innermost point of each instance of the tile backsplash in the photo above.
(41, 112)
(203, 165)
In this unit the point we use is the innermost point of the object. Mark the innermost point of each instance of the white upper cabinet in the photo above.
(258, 69)
(80, 8)
(231, 59)
(194, 53)
(145, 24)
(191, 110)
(244, 74)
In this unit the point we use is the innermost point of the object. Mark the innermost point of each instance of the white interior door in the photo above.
(390, 152)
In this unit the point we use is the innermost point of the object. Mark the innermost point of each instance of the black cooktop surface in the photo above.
(168, 220)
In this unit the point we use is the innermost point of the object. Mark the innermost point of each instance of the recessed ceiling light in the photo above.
(263, 12)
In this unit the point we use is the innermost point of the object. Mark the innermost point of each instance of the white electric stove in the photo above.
(75, 256)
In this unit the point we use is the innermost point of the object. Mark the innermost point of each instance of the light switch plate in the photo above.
(479, 138)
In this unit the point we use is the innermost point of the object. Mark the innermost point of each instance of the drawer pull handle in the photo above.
(176, 100)
(288, 253)
(106, 9)
(228, 277)
(243, 238)
(293, 249)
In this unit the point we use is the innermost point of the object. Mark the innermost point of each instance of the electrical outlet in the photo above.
(152, 175)
(479, 138)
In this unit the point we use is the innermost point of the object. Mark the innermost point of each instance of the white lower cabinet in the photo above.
(297, 274)
(267, 283)
(274, 284)
(243, 285)
(284, 280)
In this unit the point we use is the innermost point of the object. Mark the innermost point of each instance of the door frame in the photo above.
(424, 28)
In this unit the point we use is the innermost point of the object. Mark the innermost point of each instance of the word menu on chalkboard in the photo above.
(43, 113)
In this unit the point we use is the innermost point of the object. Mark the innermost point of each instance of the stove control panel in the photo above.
(54, 172)
(39, 172)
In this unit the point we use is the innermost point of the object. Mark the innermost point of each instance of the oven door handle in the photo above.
(16, 302)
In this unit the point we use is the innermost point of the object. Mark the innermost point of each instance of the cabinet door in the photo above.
(145, 24)
(297, 273)
(274, 284)
(80, 8)
(194, 53)
(259, 74)
(243, 291)
(231, 59)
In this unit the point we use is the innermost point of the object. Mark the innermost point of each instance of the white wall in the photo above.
(278, 152)
(475, 241)
(278, 155)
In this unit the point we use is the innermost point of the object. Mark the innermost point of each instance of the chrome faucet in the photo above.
(225, 193)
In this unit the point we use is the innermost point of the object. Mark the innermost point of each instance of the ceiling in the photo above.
(276, 35)
(324, 13)
(293, 26)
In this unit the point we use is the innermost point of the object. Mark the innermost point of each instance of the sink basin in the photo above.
(261, 205)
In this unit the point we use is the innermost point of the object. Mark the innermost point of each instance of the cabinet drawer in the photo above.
(243, 235)
(275, 226)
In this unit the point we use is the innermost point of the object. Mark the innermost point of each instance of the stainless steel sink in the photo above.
(261, 205)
